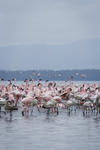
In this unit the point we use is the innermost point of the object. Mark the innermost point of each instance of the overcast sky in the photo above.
(49, 34)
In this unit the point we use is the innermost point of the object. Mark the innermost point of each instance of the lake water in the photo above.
(53, 132)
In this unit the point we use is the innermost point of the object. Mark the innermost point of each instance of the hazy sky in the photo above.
(49, 34)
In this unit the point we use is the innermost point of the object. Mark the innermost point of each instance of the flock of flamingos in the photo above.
(49, 97)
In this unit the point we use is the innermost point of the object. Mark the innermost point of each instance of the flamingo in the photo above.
(86, 106)
(51, 104)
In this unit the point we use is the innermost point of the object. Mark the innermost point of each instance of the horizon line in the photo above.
(49, 69)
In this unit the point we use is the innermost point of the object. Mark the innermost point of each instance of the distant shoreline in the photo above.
(52, 75)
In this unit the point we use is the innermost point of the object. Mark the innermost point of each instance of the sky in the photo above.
(49, 34)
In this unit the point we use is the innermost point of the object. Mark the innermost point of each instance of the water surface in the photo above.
(39, 131)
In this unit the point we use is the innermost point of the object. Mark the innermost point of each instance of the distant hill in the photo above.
(61, 75)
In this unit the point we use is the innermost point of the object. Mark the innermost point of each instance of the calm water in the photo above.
(42, 132)
(52, 132)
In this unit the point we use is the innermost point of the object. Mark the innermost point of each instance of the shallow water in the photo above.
(39, 131)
